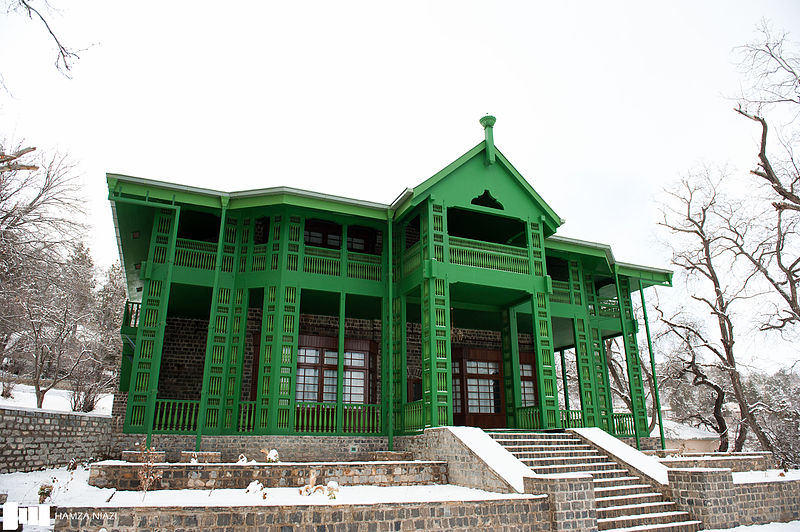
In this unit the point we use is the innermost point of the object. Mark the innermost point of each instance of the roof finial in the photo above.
(487, 122)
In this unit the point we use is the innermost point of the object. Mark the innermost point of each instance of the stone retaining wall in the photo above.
(465, 467)
(37, 439)
(277, 475)
(734, 463)
(711, 496)
(529, 514)
(290, 448)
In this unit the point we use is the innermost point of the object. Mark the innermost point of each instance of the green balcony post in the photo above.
(340, 365)
(656, 398)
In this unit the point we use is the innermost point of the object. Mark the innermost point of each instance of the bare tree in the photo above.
(692, 215)
(771, 65)
(39, 11)
(620, 388)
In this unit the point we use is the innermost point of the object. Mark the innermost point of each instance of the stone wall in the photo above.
(290, 448)
(465, 468)
(766, 502)
(277, 475)
(734, 463)
(529, 514)
(711, 496)
(37, 439)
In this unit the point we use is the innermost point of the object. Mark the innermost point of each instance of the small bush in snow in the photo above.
(332, 489)
(257, 488)
(8, 382)
(271, 456)
(45, 490)
(148, 475)
(242, 459)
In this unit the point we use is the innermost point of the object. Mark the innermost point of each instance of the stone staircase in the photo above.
(625, 502)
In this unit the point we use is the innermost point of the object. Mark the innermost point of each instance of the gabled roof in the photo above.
(491, 153)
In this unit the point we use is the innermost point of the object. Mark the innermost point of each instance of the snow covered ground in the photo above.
(771, 475)
(72, 489)
(792, 526)
(55, 400)
(678, 431)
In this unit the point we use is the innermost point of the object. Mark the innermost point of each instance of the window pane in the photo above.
(528, 394)
(307, 356)
(331, 357)
(354, 387)
(526, 370)
(355, 358)
(329, 386)
(483, 396)
(307, 384)
(456, 396)
(482, 367)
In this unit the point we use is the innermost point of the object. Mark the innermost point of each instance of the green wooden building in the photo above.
(283, 311)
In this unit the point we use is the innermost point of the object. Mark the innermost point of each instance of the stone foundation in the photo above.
(37, 439)
(274, 475)
(525, 515)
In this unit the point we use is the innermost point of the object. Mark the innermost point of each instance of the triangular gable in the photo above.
(469, 178)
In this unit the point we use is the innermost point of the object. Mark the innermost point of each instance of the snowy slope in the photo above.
(55, 400)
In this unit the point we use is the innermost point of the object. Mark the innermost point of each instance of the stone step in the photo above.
(642, 520)
(682, 526)
(531, 434)
(615, 481)
(567, 460)
(548, 448)
(625, 489)
(624, 500)
(635, 509)
(532, 451)
(608, 473)
(534, 455)
(571, 468)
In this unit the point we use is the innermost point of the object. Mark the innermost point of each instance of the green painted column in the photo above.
(635, 383)
(546, 377)
(511, 370)
(146, 364)
(435, 304)
(340, 362)
(656, 398)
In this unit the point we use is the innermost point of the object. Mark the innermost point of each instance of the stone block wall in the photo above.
(290, 448)
(734, 463)
(765, 502)
(36, 439)
(528, 514)
(711, 496)
(274, 475)
(464, 466)
(572, 500)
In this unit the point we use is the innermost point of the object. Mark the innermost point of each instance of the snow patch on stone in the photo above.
(648, 465)
(505, 464)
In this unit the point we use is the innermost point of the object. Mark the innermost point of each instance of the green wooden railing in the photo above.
(476, 253)
(413, 416)
(362, 419)
(247, 416)
(561, 293)
(623, 424)
(315, 417)
(571, 419)
(175, 416)
(364, 266)
(608, 308)
(320, 418)
(195, 254)
(412, 258)
(529, 417)
(321, 260)
(130, 317)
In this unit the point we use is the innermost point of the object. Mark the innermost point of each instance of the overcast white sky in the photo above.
(599, 104)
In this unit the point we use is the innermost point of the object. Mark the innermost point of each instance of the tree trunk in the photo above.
(747, 413)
